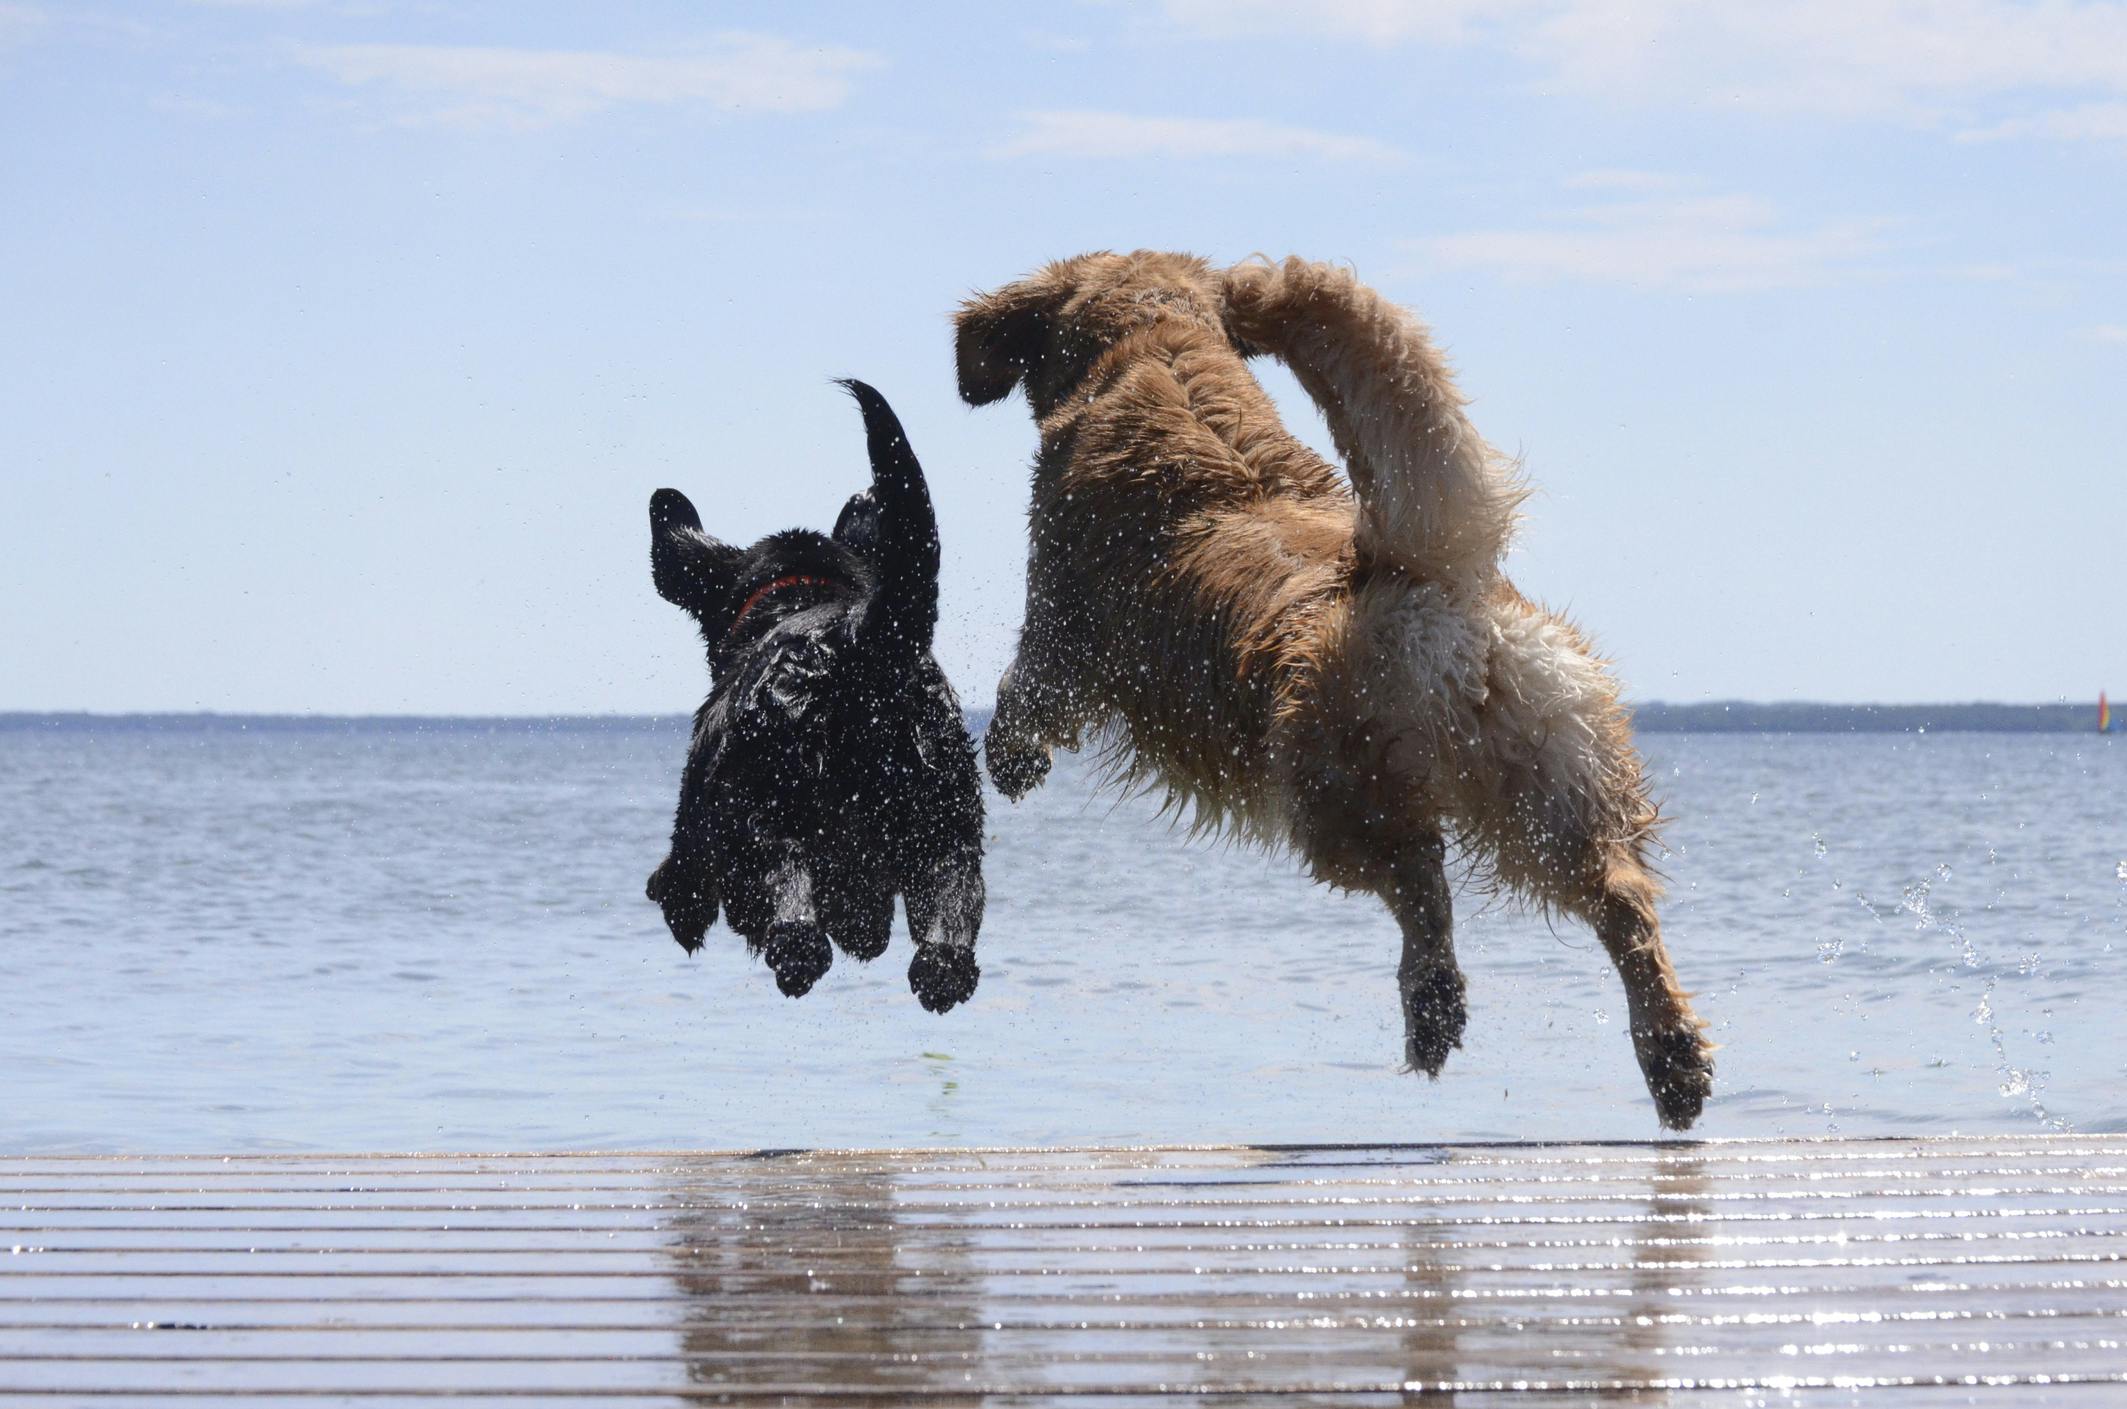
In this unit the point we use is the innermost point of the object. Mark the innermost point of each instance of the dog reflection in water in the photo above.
(830, 768)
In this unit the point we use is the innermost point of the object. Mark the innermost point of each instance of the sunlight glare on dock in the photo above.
(1940, 1271)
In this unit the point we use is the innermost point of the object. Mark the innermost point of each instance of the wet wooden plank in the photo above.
(1962, 1270)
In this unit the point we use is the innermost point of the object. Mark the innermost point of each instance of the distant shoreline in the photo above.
(1713, 717)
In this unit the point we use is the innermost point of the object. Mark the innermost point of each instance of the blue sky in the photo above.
(345, 342)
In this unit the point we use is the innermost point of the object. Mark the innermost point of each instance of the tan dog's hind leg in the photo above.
(1555, 791)
(1428, 978)
(1549, 849)
(1667, 1037)
(1571, 868)
(1359, 824)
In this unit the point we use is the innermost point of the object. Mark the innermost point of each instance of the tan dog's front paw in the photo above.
(1016, 767)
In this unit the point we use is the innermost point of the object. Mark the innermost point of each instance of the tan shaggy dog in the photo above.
(1344, 669)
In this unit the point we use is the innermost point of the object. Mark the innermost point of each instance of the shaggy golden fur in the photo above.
(1342, 668)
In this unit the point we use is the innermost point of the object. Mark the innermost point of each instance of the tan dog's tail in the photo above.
(1435, 500)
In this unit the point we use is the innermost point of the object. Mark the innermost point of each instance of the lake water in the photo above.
(370, 938)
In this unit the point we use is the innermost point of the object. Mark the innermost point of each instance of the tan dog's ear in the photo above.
(998, 339)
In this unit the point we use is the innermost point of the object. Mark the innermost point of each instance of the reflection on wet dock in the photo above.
(1800, 1272)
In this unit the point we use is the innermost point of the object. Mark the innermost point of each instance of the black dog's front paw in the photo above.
(689, 910)
(942, 975)
(798, 955)
(1016, 768)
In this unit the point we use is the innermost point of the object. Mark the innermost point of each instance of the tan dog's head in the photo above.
(1045, 330)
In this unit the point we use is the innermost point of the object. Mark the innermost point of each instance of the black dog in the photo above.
(831, 768)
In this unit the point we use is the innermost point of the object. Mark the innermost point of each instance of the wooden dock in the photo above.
(1914, 1272)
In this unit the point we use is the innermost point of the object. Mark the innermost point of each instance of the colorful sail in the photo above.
(2104, 714)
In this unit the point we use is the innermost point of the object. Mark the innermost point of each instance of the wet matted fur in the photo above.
(830, 768)
(1344, 668)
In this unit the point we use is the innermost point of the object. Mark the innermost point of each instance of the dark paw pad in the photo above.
(1015, 769)
(798, 954)
(1434, 1012)
(863, 944)
(1678, 1065)
(942, 975)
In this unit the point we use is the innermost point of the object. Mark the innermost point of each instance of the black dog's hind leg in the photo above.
(796, 947)
(944, 915)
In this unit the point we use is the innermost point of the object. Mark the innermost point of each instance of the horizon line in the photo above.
(542, 716)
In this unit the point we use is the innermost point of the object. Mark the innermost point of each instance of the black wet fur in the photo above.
(941, 975)
(830, 768)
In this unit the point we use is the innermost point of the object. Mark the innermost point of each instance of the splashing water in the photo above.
(2017, 1083)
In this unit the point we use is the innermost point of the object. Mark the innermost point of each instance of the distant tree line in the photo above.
(1717, 717)
(1747, 717)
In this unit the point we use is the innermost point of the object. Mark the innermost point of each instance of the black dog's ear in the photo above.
(692, 570)
(858, 527)
(998, 338)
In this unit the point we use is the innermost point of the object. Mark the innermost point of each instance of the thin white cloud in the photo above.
(19, 24)
(1698, 244)
(1911, 60)
(2021, 65)
(1051, 42)
(192, 105)
(2087, 122)
(539, 87)
(1615, 178)
(1112, 135)
(1374, 21)
(2109, 332)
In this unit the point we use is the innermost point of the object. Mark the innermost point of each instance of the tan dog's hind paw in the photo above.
(1678, 1065)
(1434, 1012)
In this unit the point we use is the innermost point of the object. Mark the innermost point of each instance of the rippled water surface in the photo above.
(399, 938)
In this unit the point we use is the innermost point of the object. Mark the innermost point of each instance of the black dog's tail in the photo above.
(902, 616)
